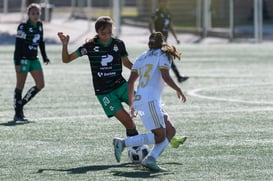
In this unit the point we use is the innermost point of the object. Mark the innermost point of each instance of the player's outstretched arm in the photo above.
(66, 57)
(167, 78)
(126, 62)
(131, 91)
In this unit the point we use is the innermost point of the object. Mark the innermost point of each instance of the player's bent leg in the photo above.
(38, 77)
(175, 140)
(159, 134)
(124, 117)
(39, 84)
(170, 129)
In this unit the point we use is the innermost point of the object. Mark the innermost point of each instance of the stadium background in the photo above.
(187, 14)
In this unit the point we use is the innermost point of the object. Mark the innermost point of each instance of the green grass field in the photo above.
(228, 119)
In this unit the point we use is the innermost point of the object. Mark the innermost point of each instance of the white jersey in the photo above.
(151, 83)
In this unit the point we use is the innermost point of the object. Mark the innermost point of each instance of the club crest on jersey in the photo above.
(115, 48)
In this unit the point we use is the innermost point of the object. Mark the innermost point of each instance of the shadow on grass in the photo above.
(13, 123)
(137, 170)
(85, 169)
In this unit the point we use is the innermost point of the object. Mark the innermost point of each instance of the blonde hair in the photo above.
(33, 5)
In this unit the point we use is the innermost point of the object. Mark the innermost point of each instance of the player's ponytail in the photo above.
(156, 42)
(171, 52)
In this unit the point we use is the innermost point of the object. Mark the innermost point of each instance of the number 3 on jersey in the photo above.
(144, 75)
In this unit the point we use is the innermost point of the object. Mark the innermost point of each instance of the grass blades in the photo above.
(227, 119)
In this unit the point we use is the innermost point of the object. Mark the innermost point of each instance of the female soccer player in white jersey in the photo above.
(152, 69)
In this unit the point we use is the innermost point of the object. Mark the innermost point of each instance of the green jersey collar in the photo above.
(105, 44)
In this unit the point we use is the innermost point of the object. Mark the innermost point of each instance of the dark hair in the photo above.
(33, 5)
(156, 42)
(103, 22)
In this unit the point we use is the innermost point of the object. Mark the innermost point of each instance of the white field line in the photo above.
(196, 93)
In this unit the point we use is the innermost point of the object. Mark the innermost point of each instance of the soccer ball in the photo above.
(138, 153)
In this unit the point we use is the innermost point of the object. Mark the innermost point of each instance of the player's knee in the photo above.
(171, 132)
(40, 86)
(160, 138)
(159, 135)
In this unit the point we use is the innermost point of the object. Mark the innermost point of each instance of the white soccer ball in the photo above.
(138, 153)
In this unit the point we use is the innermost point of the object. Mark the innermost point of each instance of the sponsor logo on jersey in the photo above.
(100, 74)
(31, 47)
(105, 59)
(36, 38)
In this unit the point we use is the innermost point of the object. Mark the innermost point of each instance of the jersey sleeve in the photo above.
(164, 62)
(123, 51)
(19, 42)
(21, 34)
(137, 63)
(82, 50)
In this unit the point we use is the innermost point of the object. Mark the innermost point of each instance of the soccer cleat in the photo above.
(176, 141)
(118, 148)
(20, 119)
(182, 78)
(150, 163)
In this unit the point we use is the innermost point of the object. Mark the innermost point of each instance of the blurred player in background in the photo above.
(152, 69)
(161, 21)
(106, 55)
(29, 37)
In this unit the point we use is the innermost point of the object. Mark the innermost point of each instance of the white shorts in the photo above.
(151, 114)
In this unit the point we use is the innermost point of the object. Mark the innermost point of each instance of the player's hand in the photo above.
(181, 96)
(46, 61)
(177, 41)
(64, 38)
(133, 113)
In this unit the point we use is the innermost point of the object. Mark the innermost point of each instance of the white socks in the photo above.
(158, 149)
(141, 139)
(147, 139)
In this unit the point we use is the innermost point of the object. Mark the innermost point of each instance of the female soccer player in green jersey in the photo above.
(106, 56)
(29, 37)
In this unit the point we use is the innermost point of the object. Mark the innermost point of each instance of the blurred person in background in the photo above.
(161, 21)
(29, 37)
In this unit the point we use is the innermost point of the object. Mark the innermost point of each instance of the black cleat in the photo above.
(20, 119)
(182, 78)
